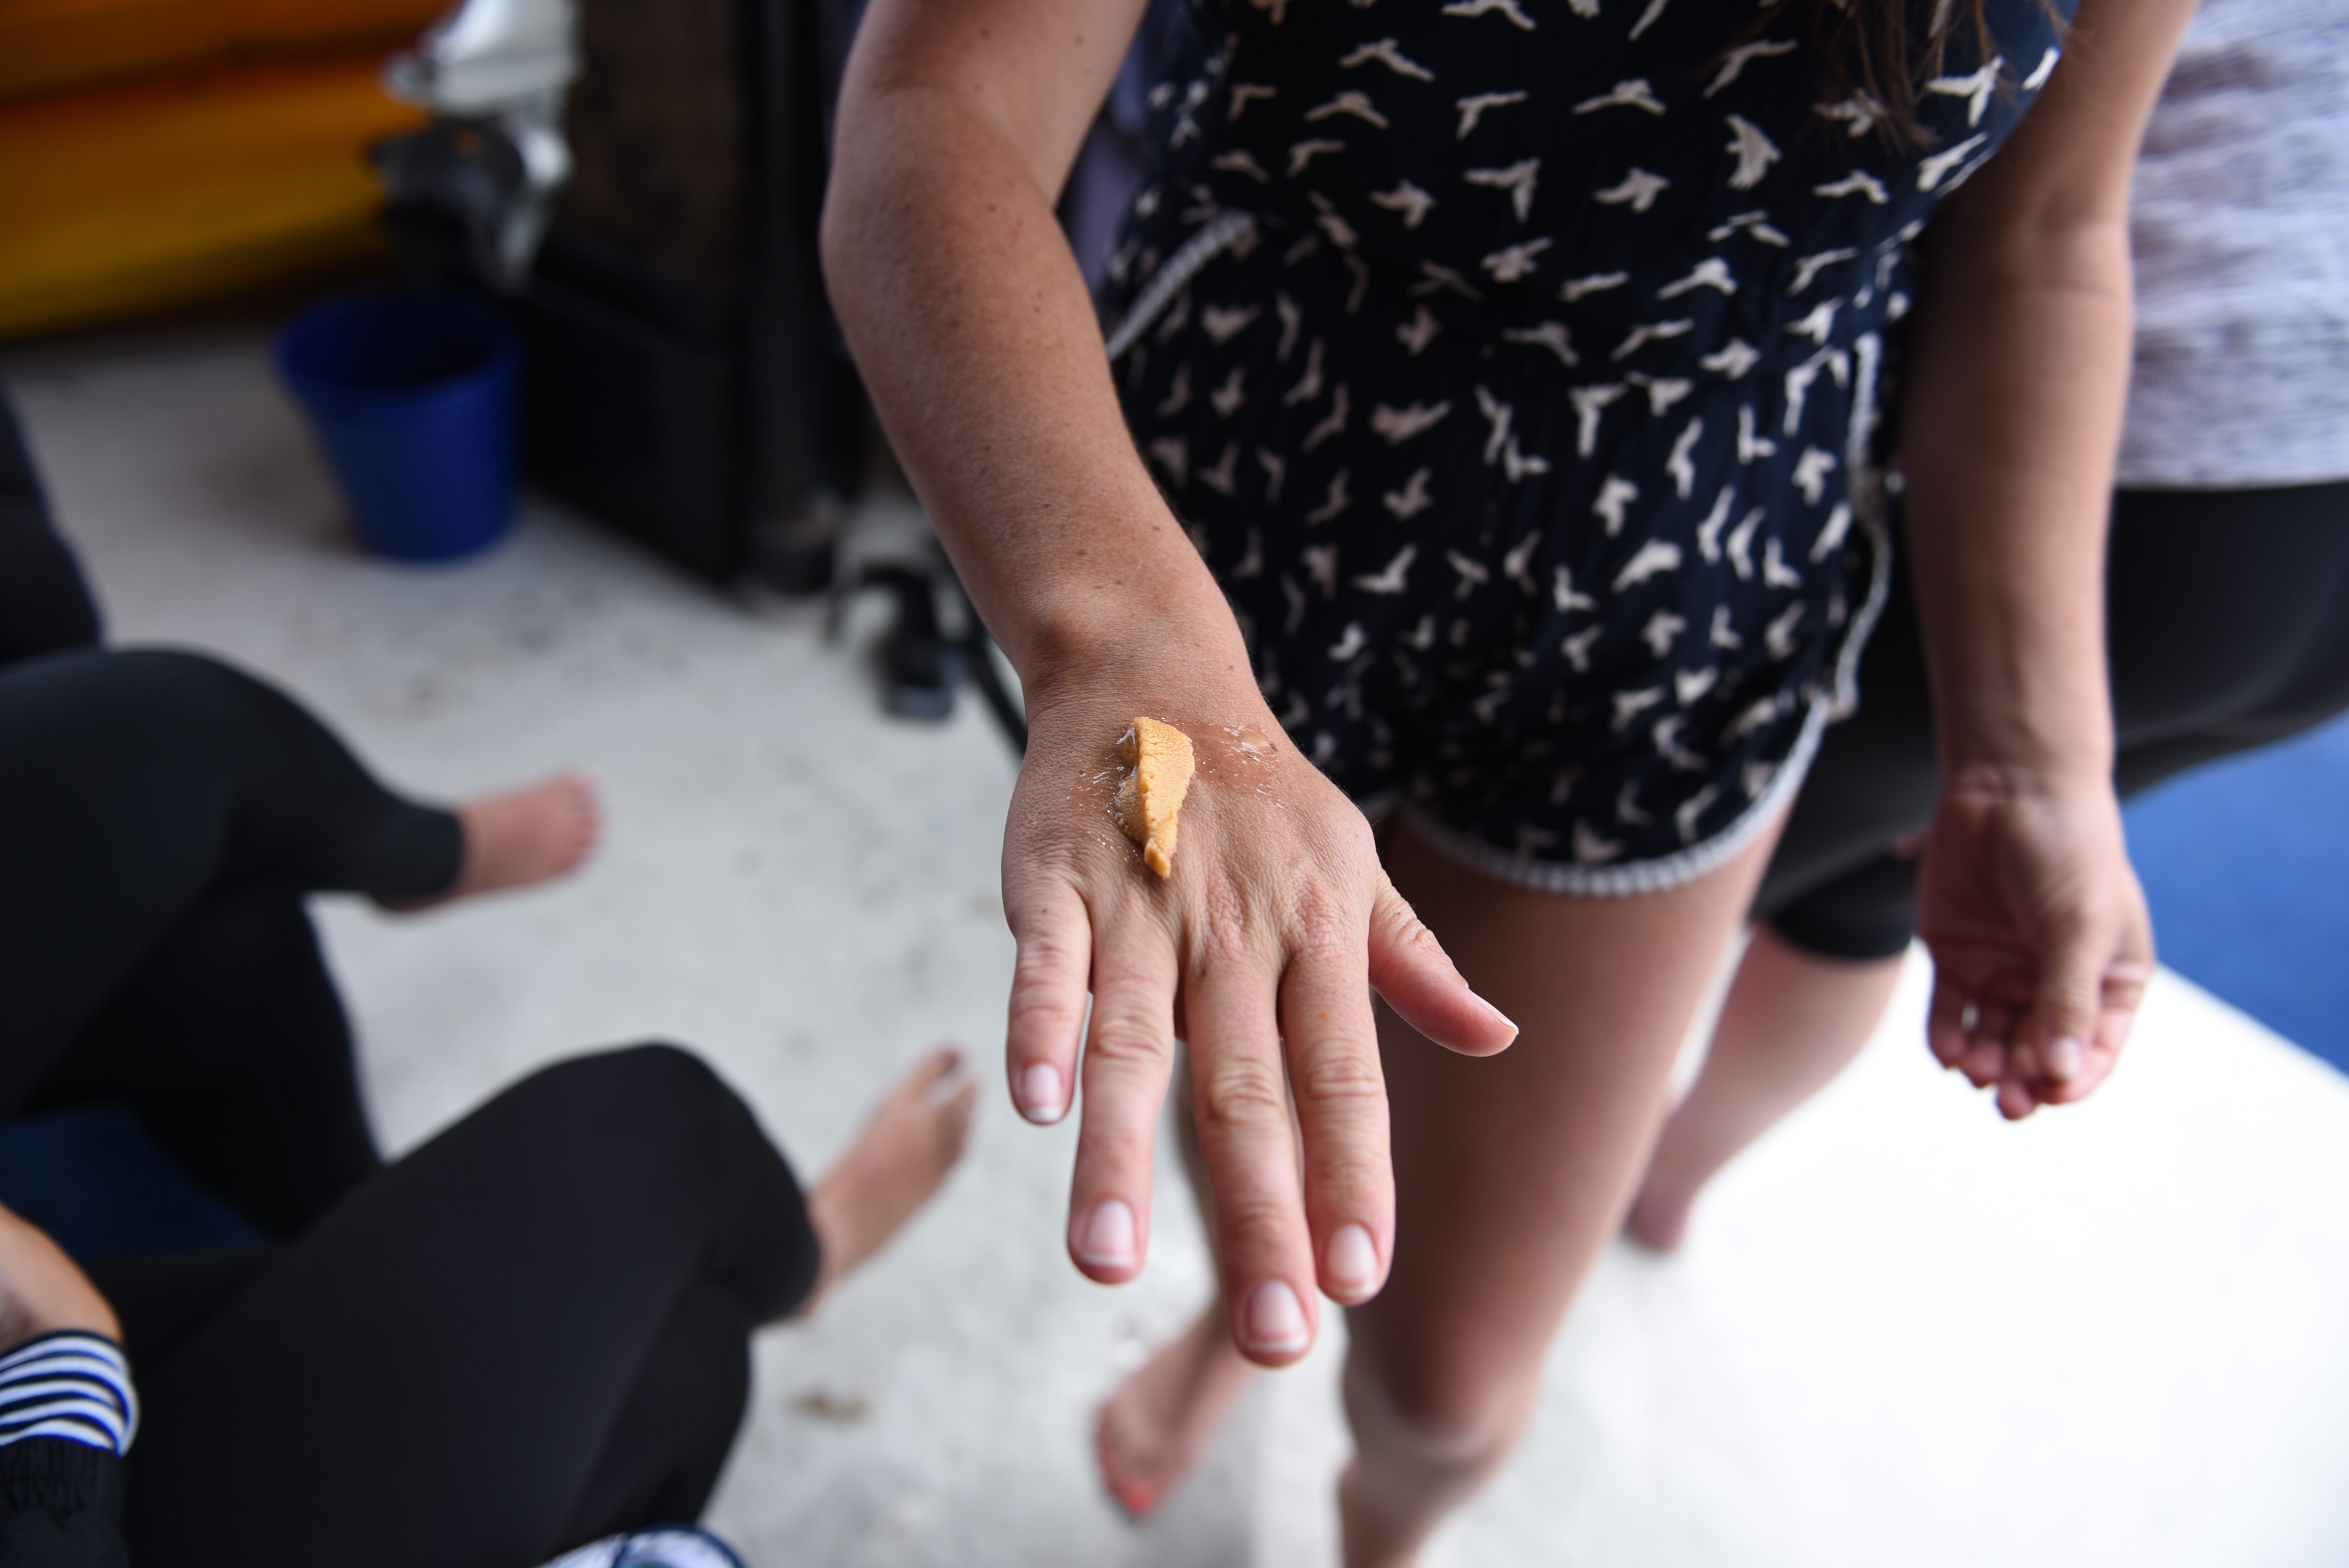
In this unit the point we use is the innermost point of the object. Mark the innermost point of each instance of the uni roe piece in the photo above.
(1160, 755)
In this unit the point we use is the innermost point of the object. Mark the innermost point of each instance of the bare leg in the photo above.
(519, 839)
(899, 1162)
(1153, 1427)
(1512, 1171)
(1793, 1021)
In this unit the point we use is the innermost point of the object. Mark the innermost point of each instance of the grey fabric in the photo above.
(2241, 228)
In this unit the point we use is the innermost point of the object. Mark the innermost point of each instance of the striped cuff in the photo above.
(71, 1385)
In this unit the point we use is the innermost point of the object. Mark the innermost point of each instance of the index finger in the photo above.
(1054, 934)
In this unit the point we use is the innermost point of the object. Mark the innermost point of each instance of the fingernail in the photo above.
(2063, 1055)
(1352, 1265)
(1040, 1094)
(1107, 1240)
(1502, 1018)
(1272, 1324)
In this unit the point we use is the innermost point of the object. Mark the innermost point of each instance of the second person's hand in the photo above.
(2041, 945)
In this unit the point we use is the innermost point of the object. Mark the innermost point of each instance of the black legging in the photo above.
(528, 1334)
(2226, 616)
(162, 817)
(531, 1333)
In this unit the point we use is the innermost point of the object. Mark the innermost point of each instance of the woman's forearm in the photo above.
(2019, 378)
(976, 339)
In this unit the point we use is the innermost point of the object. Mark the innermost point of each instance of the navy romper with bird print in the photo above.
(1517, 367)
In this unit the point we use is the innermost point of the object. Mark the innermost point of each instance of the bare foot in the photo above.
(519, 838)
(526, 836)
(913, 1138)
(1154, 1429)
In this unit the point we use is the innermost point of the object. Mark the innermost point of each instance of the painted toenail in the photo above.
(1040, 1094)
(1107, 1239)
(1352, 1265)
(1272, 1324)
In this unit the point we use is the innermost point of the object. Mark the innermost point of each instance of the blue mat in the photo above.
(2246, 864)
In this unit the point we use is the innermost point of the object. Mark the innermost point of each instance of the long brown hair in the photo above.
(1870, 46)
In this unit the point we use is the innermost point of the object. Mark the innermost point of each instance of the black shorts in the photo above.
(2227, 617)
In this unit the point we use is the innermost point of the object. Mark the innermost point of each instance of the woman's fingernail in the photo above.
(2064, 1054)
(1272, 1323)
(1040, 1094)
(1107, 1240)
(1502, 1018)
(1352, 1265)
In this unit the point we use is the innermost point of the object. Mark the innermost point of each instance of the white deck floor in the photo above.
(1903, 1332)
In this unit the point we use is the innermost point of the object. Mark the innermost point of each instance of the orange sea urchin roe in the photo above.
(1160, 755)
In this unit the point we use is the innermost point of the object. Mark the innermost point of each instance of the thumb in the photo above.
(1410, 968)
(2069, 1007)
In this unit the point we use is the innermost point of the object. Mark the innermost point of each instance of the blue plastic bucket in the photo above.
(412, 396)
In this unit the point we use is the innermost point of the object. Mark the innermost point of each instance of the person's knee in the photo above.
(178, 713)
(654, 1083)
(1458, 1415)
(656, 1069)
(171, 681)
(653, 1104)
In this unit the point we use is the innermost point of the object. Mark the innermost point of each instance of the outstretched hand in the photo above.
(1260, 951)
(2041, 944)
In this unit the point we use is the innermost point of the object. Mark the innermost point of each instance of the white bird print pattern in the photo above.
(1407, 199)
(1585, 628)
(1518, 179)
(1974, 87)
(1712, 273)
(1396, 426)
(1413, 499)
(1616, 494)
(1472, 109)
(1419, 331)
(1858, 183)
(1680, 467)
(1395, 576)
(1554, 336)
(1633, 94)
(1513, 263)
(1638, 189)
(1733, 64)
(1563, 594)
(1756, 152)
(1507, 8)
(1574, 289)
(1349, 102)
(1385, 52)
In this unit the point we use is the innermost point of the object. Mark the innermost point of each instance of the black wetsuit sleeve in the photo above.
(67, 1414)
(61, 1505)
